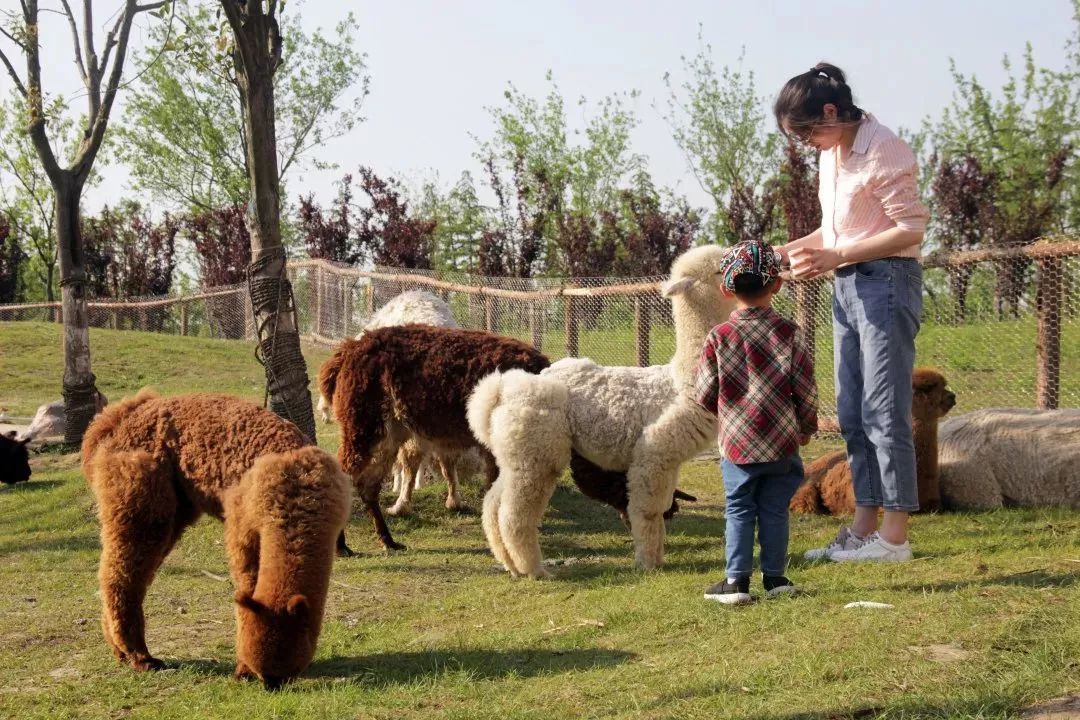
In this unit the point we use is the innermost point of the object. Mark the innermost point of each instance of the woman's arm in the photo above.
(808, 263)
(813, 240)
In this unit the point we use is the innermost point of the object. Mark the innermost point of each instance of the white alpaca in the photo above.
(413, 464)
(1001, 457)
(642, 421)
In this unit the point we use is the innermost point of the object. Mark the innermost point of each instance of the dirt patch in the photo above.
(1062, 708)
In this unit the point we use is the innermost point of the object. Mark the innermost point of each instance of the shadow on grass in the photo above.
(1037, 579)
(404, 668)
(400, 668)
(33, 486)
(991, 707)
(73, 542)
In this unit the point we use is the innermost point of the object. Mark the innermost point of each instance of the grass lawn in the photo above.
(985, 622)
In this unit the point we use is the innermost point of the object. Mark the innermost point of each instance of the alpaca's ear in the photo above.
(245, 600)
(675, 287)
(298, 606)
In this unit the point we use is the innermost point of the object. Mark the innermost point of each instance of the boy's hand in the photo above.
(804, 439)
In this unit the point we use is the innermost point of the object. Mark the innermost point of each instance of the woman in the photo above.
(870, 236)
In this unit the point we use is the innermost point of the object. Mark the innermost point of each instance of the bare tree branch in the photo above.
(35, 125)
(13, 39)
(14, 75)
(75, 40)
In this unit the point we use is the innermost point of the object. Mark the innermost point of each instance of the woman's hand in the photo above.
(808, 263)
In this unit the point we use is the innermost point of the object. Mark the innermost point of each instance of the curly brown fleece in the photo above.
(155, 465)
(405, 381)
(828, 489)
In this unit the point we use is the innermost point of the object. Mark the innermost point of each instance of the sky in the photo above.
(436, 65)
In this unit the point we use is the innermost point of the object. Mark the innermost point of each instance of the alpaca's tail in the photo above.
(328, 375)
(506, 390)
(105, 423)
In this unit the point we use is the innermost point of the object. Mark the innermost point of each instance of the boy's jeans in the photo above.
(759, 492)
(876, 310)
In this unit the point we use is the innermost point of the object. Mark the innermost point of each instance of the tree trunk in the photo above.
(79, 391)
(271, 292)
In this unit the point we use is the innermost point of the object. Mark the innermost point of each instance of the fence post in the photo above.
(346, 305)
(489, 312)
(571, 325)
(183, 318)
(642, 325)
(536, 325)
(369, 298)
(1048, 344)
(318, 288)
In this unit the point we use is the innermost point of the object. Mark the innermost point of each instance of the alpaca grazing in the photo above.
(828, 489)
(155, 465)
(410, 382)
(1010, 457)
(14, 459)
(642, 422)
(415, 307)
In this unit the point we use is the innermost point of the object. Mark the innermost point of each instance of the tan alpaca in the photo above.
(828, 488)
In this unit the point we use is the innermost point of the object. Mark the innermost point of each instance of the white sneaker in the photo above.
(844, 540)
(875, 549)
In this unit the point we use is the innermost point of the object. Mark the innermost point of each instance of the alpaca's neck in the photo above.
(925, 435)
(692, 324)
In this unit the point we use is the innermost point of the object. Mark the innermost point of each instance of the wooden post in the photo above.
(346, 306)
(642, 325)
(183, 318)
(369, 298)
(489, 313)
(536, 325)
(571, 325)
(318, 288)
(1048, 345)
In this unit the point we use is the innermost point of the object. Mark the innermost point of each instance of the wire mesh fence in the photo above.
(1003, 325)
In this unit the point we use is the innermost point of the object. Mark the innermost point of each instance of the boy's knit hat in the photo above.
(749, 258)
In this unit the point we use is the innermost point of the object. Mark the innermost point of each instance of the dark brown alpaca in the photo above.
(410, 381)
(14, 459)
(155, 465)
(828, 489)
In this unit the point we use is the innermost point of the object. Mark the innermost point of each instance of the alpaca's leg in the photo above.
(423, 472)
(369, 482)
(448, 467)
(141, 520)
(521, 507)
(676, 436)
(408, 461)
(490, 522)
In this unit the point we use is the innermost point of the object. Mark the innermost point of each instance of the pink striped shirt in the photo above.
(872, 190)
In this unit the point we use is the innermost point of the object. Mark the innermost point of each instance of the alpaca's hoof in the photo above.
(344, 551)
(243, 672)
(147, 663)
(541, 574)
(399, 509)
(393, 546)
(454, 504)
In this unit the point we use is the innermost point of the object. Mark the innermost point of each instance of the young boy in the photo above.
(756, 376)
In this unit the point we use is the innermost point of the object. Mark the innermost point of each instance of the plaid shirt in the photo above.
(755, 375)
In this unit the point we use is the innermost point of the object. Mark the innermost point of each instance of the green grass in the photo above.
(986, 621)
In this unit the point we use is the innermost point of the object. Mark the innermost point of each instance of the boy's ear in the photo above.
(725, 292)
(778, 282)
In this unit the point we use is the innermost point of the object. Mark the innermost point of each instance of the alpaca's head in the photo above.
(275, 643)
(694, 279)
(932, 398)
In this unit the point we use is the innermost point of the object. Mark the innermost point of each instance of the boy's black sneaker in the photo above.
(736, 593)
(777, 585)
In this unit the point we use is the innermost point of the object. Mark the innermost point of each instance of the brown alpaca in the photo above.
(155, 465)
(828, 488)
(410, 382)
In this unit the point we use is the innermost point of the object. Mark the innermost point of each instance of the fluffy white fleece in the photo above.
(1000, 457)
(639, 420)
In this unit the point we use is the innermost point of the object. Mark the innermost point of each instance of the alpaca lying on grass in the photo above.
(155, 465)
(828, 489)
(412, 464)
(641, 421)
(410, 382)
(1010, 457)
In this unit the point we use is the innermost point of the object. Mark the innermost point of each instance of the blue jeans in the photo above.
(876, 310)
(759, 493)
